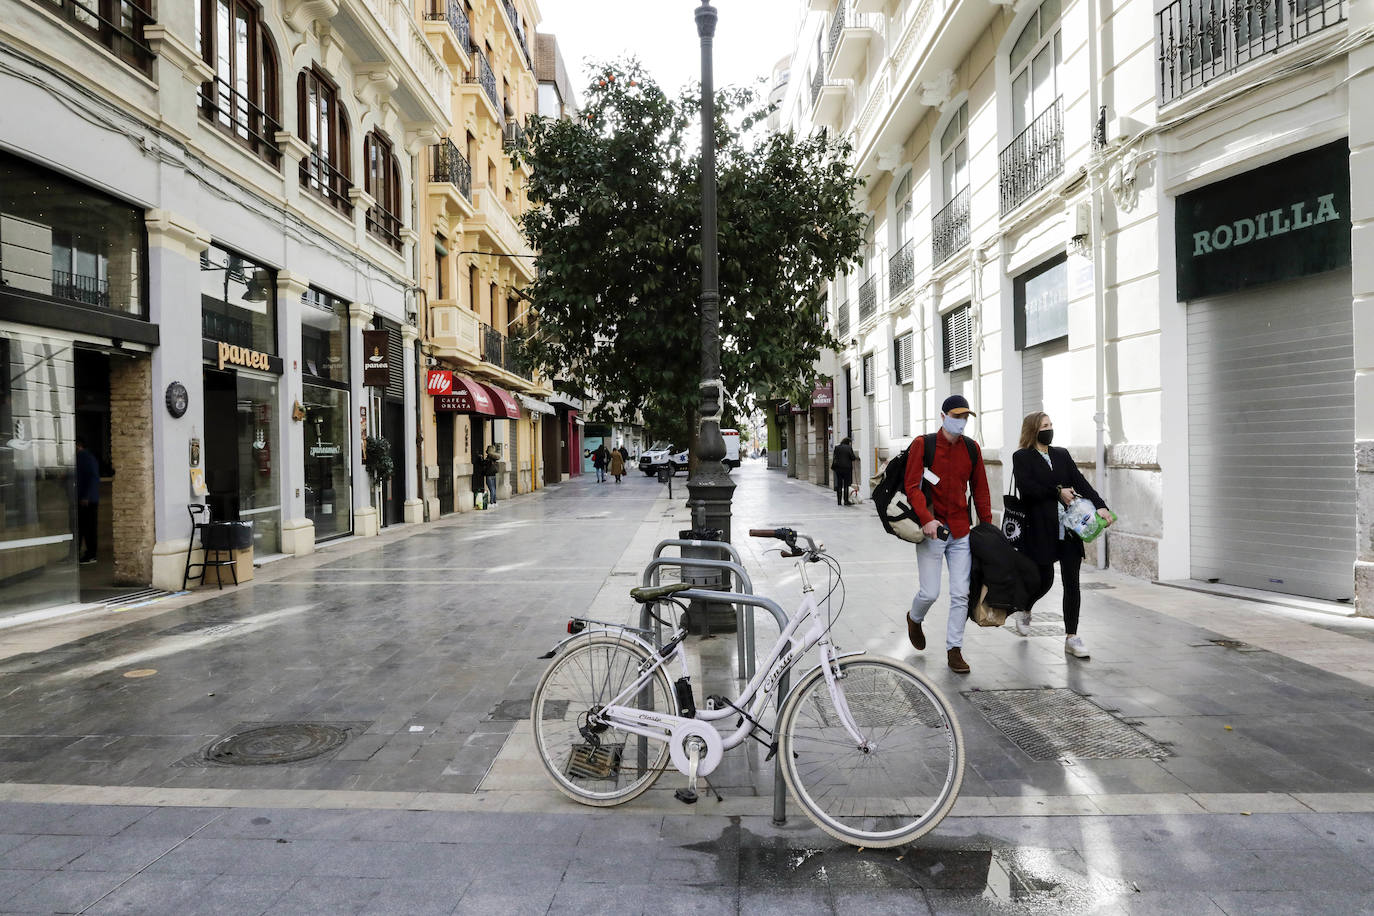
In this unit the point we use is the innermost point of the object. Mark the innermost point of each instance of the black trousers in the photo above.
(87, 529)
(842, 484)
(1069, 564)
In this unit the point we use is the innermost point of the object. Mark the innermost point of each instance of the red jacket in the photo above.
(957, 475)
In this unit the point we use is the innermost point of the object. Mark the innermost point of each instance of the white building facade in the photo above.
(1149, 219)
(252, 168)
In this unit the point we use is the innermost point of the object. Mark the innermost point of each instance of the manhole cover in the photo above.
(1054, 723)
(274, 744)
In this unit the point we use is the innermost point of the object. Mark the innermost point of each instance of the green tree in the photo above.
(616, 219)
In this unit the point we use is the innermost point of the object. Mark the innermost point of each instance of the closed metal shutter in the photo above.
(1033, 373)
(395, 354)
(1271, 431)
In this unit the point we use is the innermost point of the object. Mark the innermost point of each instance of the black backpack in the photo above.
(889, 497)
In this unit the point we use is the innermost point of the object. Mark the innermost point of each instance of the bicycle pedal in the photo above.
(686, 796)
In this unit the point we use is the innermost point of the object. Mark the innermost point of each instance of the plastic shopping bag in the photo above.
(1080, 517)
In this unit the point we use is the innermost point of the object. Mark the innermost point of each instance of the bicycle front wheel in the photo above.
(901, 781)
(589, 761)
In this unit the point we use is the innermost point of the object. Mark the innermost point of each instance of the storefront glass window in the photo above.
(62, 239)
(258, 452)
(328, 495)
(38, 555)
(238, 301)
(324, 336)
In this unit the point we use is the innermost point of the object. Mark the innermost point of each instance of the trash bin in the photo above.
(227, 536)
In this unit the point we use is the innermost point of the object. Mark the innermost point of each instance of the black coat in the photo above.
(1011, 577)
(843, 459)
(1038, 485)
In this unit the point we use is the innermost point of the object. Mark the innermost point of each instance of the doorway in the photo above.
(393, 491)
(443, 442)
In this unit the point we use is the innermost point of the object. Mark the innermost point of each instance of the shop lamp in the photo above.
(259, 286)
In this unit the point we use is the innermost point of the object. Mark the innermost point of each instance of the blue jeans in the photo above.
(929, 554)
(600, 475)
(491, 490)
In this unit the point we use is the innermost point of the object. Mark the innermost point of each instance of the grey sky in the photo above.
(750, 37)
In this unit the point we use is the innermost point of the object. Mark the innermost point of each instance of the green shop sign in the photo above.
(1285, 220)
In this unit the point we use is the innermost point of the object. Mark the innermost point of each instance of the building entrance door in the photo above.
(393, 491)
(443, 441)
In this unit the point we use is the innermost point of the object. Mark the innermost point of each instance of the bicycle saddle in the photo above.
(646, 593)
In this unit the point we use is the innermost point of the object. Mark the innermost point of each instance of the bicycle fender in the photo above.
(607, 632)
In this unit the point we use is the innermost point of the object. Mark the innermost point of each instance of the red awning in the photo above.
(467, 396)
(503, 402)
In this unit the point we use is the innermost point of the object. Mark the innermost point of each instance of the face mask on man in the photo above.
(955, 425)
(1045, 436)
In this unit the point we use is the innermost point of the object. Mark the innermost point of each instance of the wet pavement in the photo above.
(1215, 755)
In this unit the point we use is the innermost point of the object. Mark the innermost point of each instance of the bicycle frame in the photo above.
(756, 694)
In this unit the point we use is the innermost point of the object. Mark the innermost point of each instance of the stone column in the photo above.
(297, 531)
(414, 506)
(174, 248)
(131, 452)
(364, 513)
(1361, 86)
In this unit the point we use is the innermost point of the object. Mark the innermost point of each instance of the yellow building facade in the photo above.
(475, 261)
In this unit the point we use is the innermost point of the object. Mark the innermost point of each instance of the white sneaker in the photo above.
(1021, 622)
(1074, 646)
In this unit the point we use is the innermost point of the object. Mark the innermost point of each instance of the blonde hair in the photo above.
(1029, 427)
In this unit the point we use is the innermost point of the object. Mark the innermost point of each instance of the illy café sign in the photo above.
(1282, 221)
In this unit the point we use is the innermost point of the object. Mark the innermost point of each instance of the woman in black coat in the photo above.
(1046, 477)
(842, 463)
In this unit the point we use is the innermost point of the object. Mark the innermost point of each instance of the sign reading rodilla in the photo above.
(1282, 221)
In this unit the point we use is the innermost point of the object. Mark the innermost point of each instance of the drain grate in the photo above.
(131, 600)
(1054, 723)
(515, 710)
(266, 745)
(602, 762)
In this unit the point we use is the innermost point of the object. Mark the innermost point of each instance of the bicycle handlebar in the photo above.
(789, 536)
(768, 533)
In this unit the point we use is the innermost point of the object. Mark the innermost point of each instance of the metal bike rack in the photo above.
(744, 632)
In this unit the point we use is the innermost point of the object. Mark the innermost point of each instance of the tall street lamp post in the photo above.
(710, 486)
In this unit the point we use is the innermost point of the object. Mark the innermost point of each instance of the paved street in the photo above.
(1241, 780)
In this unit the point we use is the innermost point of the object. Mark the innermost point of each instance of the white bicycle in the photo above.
(870, 748)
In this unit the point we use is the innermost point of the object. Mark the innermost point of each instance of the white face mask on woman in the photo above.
(955, 425)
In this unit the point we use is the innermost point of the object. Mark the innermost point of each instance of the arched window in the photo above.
(324, 127)
(244, 98)
(1034, 64)
(382, 182)
(949, 230)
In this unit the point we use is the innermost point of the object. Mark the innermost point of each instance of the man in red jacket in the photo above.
(956, 470)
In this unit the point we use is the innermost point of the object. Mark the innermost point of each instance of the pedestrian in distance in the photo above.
(600, 458)
(1045, 478)
(624, 453)
(491, 466)
(842, 463)
(617, 464)
(87, 503)
(955, 473)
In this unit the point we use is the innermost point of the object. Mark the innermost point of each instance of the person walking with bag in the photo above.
(617, 462)
(491, 467)
(955, 472)
(842, 463)
(1045, 478)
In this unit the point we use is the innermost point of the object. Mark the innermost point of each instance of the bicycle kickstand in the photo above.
(693, 747)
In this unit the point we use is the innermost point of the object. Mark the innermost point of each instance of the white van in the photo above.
(731, 459)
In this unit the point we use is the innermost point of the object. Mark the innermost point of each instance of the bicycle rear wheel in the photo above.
(598, 764)
(907, 779)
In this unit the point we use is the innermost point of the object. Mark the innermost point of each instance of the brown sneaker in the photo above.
(914, 633)
(956, 661)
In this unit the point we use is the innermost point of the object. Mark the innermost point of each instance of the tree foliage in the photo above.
(616, 219)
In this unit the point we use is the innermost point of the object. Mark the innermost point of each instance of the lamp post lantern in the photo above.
(710, 485)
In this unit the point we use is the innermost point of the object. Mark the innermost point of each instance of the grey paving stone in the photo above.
(686, 901)
(123, 853)
(511, 902)
(392, 860)
(49, 852)
(881, 902)
(155, 895)
(14, 880)
(1292, 903)
(239, 895)
(322, 896)
(816, 901)
(200, 856)
(66, 892)
(177, 822)
(415, 897)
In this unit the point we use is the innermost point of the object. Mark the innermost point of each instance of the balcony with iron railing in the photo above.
(116, 24)
(849, 39)
(1200, 41)
(521, 39)
(503, 352)
(447, 164)
(514, 135)
(482, 75)
(80, 288)
(868, 299)
(237, 115)
(901, 270)
(455, 40)
(1033, 159)
(949, 230)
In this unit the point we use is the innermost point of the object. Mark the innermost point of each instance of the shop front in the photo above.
(1264, 267)
(242, 375)
(461, 408)
(327, 404)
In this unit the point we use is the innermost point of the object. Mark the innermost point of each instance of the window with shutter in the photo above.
(958, 334)
(395, 353)
(869, 381)
(902, 358)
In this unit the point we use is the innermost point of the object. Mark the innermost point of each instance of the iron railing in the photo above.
(868, 298)
(520, 37)
(817, 81)
(385, 225)
(1034, 158)
(226, 107)
(81, 288)
(836, 27)
(1203, 40)
(949, 229)
(842, 320)
(452, 166)
(901, 269)
(451, 11)
(116, 24)
(321, 176)
(482, 74)
(493, 345)
(514, 135)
